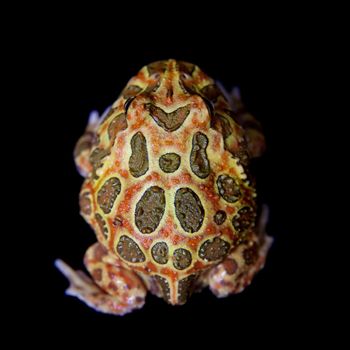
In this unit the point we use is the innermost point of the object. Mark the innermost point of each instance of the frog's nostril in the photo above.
(170, 92)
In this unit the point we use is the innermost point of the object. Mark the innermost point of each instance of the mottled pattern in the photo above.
(220, 217)
(186, 67)
(182, 259)
(189, 210)
(228, 188)
(164, 286)
(84, 144)
(214, 249)
(131, 91)
(185, 288)
(230, 266)
(244, 219)
(160, 253)
(150, 209)
(101, 224)
(108, 193)
(129, 250)
(156, 67)
(226, 128)
(168, 192)
(250, 254)
(211, 92)
(198, 159)
(85, 203)
(117, 124)
(138, 162)
(97, 275)
(169, 162)
(96, 159)
(168, 121)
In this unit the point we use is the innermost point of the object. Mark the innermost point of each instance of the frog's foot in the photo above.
(253, 130)
(83, 147)
(117, 290)
(238, 269)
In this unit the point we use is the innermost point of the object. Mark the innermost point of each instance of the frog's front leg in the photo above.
(113, 289)
(253, 131)
(82, 150)
(238, 269)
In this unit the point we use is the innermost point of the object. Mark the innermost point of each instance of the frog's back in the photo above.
(168, 185)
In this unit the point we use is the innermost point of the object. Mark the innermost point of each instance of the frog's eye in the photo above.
(185, 76)
(127, 103)
(155, 76)
(209, 105)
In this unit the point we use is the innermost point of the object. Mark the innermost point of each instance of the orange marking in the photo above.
(168, 142)
(109, 171)
(194, 242)
(145, 241)
(176, 239)
(163, 233)
(167, 229)
(185, 178)
(230, 210)
(175, 181)
(169, 272)
(197, 266)
(225, 158)
(137, 124)
(228, 232)
(155, 176)
(127, 225)
(210, 229)
(216, 143)
(124, 173)
(151, 267)
(141, 75)
(113, 231)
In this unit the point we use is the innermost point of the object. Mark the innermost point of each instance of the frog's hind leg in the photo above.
(238, 269)
(112, 289)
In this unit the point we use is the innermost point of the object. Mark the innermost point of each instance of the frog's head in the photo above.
(172, 83)
(175, 78)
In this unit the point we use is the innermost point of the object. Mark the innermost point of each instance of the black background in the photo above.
(82, 71)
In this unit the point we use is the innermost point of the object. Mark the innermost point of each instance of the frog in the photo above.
(169, 193)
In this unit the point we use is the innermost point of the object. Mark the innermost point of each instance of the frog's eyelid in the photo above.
(127, 103)
(185, 76)
(209, 105)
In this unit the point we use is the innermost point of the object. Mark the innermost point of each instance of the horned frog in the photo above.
(168, 193)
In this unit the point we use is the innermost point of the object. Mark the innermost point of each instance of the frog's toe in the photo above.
(119, 301)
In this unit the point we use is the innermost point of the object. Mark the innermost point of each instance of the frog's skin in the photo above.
(168, 193)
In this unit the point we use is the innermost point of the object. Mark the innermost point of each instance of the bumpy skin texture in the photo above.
(168, 192)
